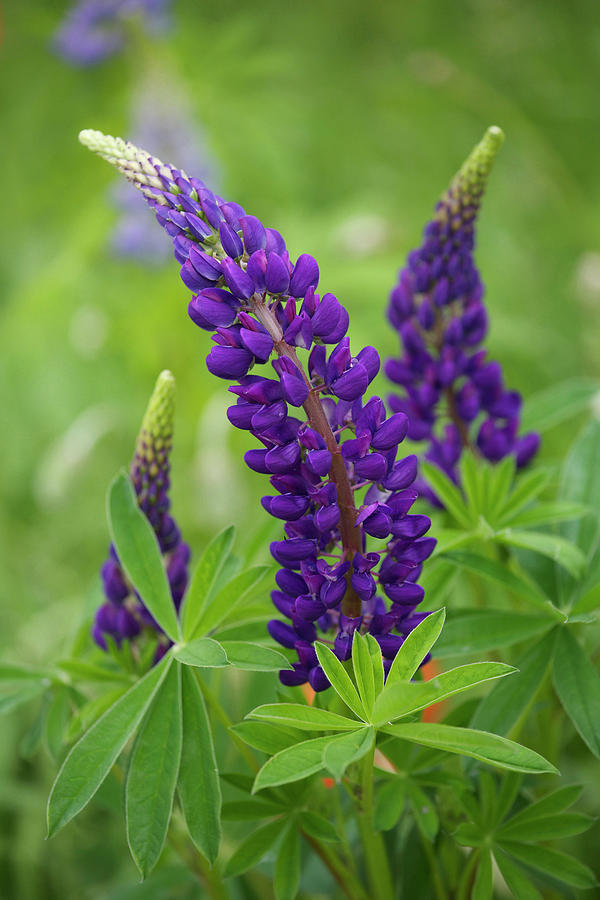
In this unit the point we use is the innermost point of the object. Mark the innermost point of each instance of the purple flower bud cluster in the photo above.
(330, 454)
(94, 30)
(124, 616)
(452, 394)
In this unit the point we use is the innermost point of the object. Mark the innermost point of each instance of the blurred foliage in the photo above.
(338, 123)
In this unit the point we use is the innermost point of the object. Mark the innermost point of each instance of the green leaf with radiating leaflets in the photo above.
(58, 717)
(13, 696)
(552, 862)
(500, 481)
(547, 829)
(85, 671)
(577, 684)
(557, 548)
(517, 882)
(488, 748)
(91, 759)
(472, 484)
(340, 680)
(198, 787)
(253, 657)
(390, 803)
(14, 672)
(526, 489)
(416, 647)
(252, 850)
(376, 662)
(205, 576)
(403, 698)
(495, 571)
(229, 598)
(550, 805)
(152, 774)
(266, 737)
(203, 653)
(448, 493)
(487, 629)
(298, 715)
(363, 671)
(558, 403)
(549, 514)
(287, 865)
(349, 748)
(318, 827)
(292, 764)
(139, 554)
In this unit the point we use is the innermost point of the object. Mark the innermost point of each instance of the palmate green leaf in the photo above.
(139, 553)
(287, 865)
(293, 763)
(91, 759)
(363, 671)
(449, 539)
(390, 803)
(249, 810)
(501, 709)
(549, 514)
(266, 737)
(552, 862)
(340, 680)
(416, 647)
(488, 748)
(487, 629)
(205, 576)
(448, 493)
(483, 886)
(152, 774)
(12, 696)
(424, 811)
(527, 487)
(58, 718)
(500, 479)
(495, 571)
(308, 718)
(339, 754)
(471, 480)
(519, 883)
(253, 657)
(577, 684)
(252, 850)
(203, 653)
(550, 805)
(228, 599)
(402, 698)
(558, 403)
(557, 548)
(85, 671)
(32, 739)
(580, 483)
(317, 826)
(14, 672)
(198, 786)
(547, 829)
(91, 711)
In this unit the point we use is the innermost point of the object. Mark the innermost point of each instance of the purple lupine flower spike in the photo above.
(94, 30)
(330, 455)
(124, 616)
(453, 395)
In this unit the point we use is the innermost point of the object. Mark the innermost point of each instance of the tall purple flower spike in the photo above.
(330, 455)
(453, 395)
(94, 30)
(124, 616)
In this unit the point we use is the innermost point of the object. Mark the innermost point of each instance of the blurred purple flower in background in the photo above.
(452, 394)
(124, 616)
(94, 30)
(330, 455)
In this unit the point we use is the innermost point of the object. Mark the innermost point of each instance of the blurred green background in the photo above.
(337, 122)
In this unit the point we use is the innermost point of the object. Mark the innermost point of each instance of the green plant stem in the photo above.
(438, 884)
(376, 860)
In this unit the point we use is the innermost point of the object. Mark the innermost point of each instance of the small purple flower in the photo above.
(331, 455)
(124, 616)
(453, 396)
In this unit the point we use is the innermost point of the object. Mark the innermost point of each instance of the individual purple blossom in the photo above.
(330, 454)
(94, 30)
(453, 395)
(123, 616)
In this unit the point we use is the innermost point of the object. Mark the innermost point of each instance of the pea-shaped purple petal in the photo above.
(305, 275)
(229, 362)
